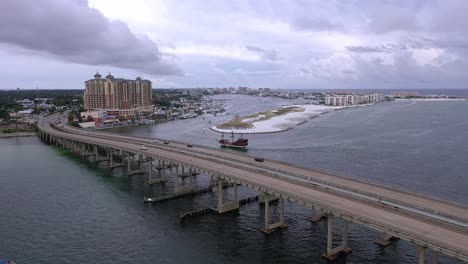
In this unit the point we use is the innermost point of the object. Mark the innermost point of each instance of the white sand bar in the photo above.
(282, 122)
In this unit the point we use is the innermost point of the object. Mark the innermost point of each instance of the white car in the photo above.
(142, 147)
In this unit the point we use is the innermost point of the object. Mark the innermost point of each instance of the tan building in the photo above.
(118, 95)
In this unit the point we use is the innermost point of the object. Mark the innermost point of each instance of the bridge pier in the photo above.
(110, 154)
(176, 178)
(420, 254)
(266, 197)
(140, 162)
(131, 172)
(332, 252)
(178, 188)
(268, 228)
(315, 217)
(82, 149)
(190, 174)
(162, 173)
(385, 239)
(86, 151)
(96, 154)
(434, 257)
(113, 164)
(224, 207)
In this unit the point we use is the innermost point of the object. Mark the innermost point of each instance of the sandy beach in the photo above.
(282, 122)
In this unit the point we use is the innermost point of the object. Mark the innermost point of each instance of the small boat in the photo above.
(240, 143)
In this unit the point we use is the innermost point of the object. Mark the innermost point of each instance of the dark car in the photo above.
(260, 159)
(166, 142)
(190, 146)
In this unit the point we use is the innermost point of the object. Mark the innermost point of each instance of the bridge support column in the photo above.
(212, 181)
(96, 153)
(315, 217)
(332, 252)
(191, 176)
(434, 257)
(162, 178)
(129, 166)
(385, 239)
(176, 176)
(268, 228)
(140, 161)
(113, 164)
(266, 197)
(163, 168)
(224, 207)
(80, 149)
(420, 254)
(110, 153)
(150, 170)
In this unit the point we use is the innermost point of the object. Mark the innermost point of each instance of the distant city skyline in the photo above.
(277, 44)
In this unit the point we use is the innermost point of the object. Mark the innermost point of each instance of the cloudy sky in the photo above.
(58, 44)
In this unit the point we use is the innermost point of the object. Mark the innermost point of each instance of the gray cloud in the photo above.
(365, 49)
(264, 54)
(74, 32)
(404, 44)
(316, 24)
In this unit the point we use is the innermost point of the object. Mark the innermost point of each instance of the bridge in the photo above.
(431, 224)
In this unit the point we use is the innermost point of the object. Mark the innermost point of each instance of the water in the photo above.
(58, 208)
(448, 92)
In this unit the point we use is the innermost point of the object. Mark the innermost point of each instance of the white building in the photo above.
(25, 112)
(26, 103)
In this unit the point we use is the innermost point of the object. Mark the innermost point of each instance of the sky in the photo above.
(353, 44)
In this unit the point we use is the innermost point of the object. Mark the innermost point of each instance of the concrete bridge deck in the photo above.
(438, 234)
(436, 206)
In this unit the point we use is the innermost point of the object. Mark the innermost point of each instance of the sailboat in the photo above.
(239, 143)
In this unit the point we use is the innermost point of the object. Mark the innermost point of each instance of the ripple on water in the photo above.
(63, 209)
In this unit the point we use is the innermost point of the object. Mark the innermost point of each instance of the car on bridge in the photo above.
(142, 147)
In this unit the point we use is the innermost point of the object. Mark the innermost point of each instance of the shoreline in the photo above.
(287, 121)
(431, 99)
(281, 123)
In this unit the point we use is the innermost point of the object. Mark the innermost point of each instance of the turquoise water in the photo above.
(59, 208)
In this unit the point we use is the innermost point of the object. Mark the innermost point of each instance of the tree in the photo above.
(36, 110)
(4, 115)
(18, 108)
(53, 109)
(90, 119)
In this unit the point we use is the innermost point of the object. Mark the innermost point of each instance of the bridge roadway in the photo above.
(385, 195)
(424, 230)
